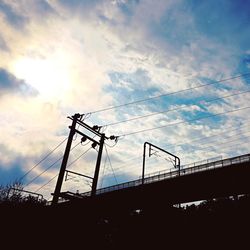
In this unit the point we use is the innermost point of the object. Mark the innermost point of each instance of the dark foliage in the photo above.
(217, 223)
(13, 195)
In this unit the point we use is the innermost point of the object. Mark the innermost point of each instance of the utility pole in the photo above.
(95, 130)
(65, 160)
(97, 168)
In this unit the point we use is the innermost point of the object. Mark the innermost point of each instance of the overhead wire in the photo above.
(119, 167)
(229, 146)
(175, 109)
(213, 146)
(181, 122)
(238, 144)
(230, 136)
(190, 141)
(110, 164)
(147, 99)
(125, 163)
(203, 160)
(43, 159)
(121, 172)
(49, 167)
(186, 142)
(171, 93)
(70, 164)
(43, 172)
(81, 155)
(222, 143)
(103, 170)
(207, 137)
(37, 190)
(140, 156)
(216, 145)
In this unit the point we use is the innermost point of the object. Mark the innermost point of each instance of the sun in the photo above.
(49, 77)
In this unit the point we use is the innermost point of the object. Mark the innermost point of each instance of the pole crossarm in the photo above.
(88, 127)
(84, 135)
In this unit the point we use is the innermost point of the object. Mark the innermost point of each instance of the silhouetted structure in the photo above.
(221, 178)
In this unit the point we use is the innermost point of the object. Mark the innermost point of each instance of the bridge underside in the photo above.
(220, 182)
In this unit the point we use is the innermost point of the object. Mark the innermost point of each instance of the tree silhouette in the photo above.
(13, 194)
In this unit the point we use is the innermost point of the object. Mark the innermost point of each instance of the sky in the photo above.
(61, 57)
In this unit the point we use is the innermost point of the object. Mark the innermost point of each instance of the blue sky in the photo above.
(60, 57)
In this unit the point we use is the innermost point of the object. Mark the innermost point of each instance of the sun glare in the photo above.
(49, 77)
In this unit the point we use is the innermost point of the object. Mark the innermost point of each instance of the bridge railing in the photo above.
(193, 164)
(186, 169)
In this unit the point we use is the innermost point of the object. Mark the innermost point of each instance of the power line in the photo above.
(238, 144)
(216, 145)
(219, 144)
(228, 146)
(190, 141)
(124, 163)
(242, 133)
(81, 155)
(203, 160)
(177, 123)
(68, 166)
(212, 146)
(207, 137)
(103, 171)
(110, 164)
(43, 172)
(119, 168)
(46, 183)
(44, 158)
(153, 163)
(49, 167)
(168, 94)
(175, 109)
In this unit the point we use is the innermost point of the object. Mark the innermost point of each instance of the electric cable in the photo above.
(206, 137)
(186, 121)
(171, 93)
(81, 155)
(172, 146)
(68, 166)
(110, 163)
(175, 109)
(46, 183)
(103, 171)
(49, 167)
(212, 146)
(44, 158)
